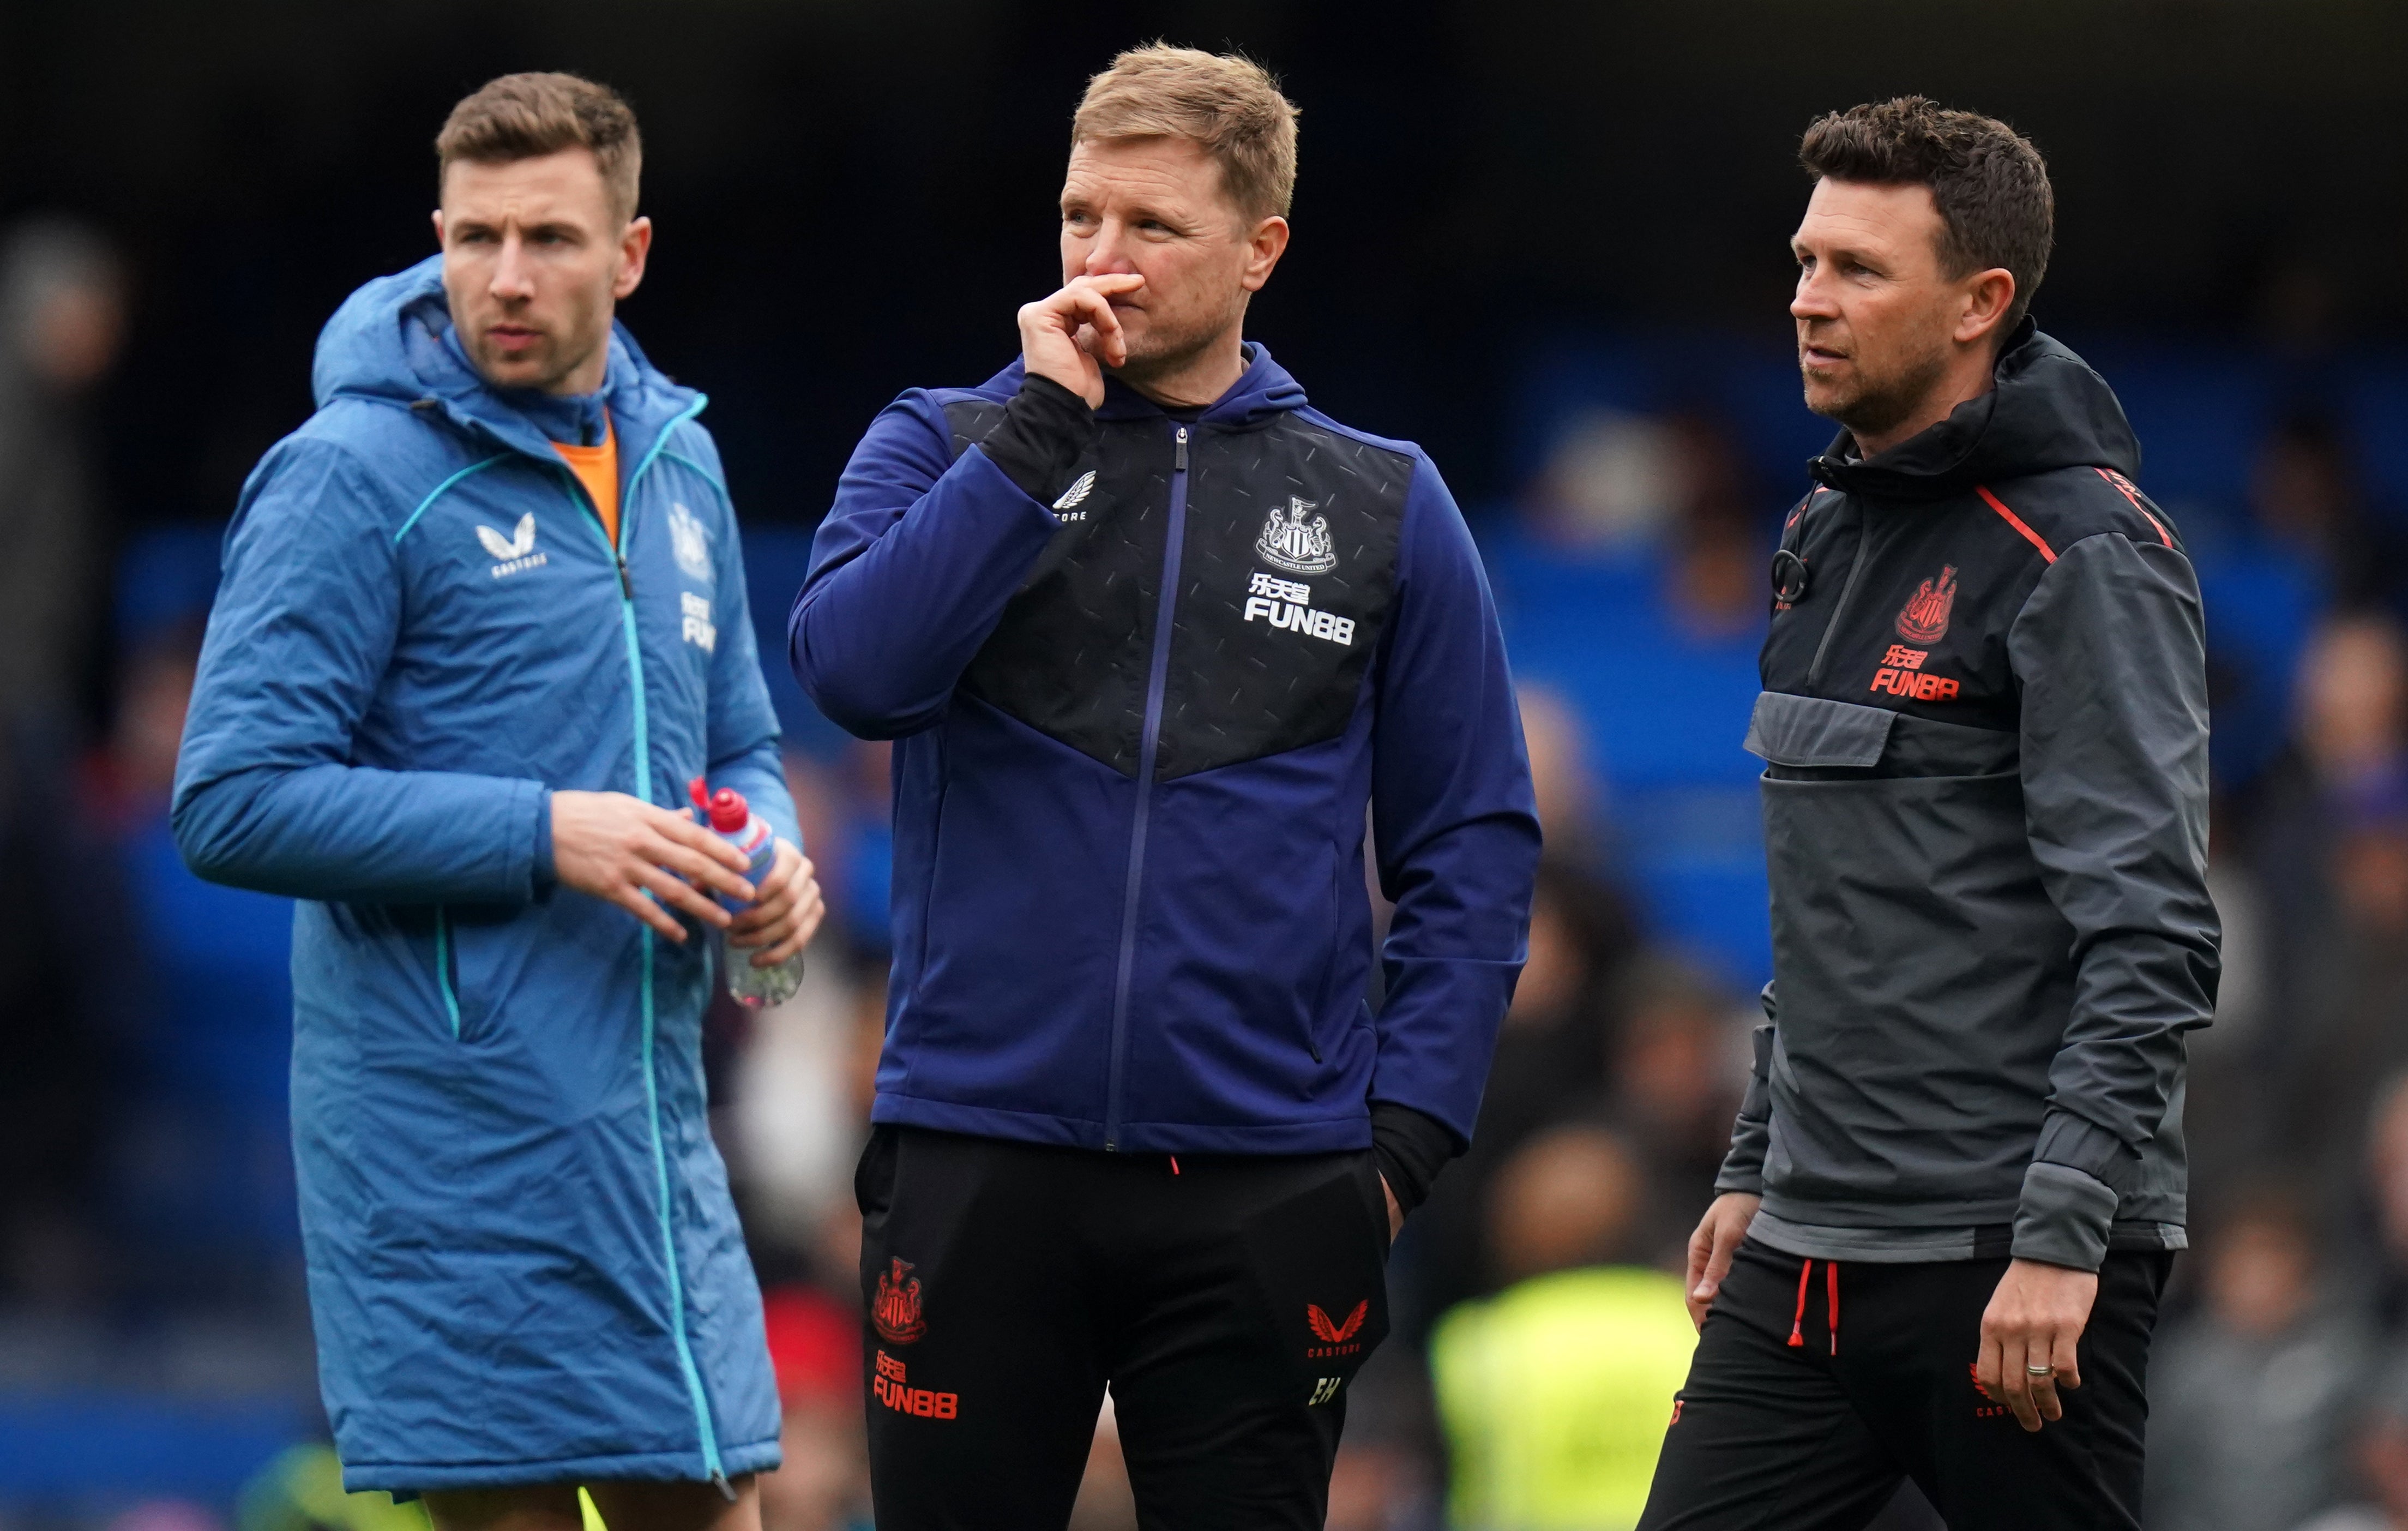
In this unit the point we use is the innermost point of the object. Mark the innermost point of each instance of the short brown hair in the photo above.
(524, 117)
(1227, 103)
(1996, 208)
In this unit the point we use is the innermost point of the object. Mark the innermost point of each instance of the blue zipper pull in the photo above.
(1178, 462)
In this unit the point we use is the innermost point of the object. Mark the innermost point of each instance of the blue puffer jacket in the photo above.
(523, 1263)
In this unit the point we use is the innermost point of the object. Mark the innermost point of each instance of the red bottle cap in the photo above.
(729, 812)
(700, 792)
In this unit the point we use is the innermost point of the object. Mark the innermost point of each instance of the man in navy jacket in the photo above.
(1152, 635)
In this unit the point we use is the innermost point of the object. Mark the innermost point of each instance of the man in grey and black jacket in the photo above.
(1984, 729)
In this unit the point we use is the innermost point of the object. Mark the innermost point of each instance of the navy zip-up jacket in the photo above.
(1138, 724)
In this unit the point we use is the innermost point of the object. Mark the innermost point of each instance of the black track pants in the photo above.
(1767, 1434)
(1227, 1304)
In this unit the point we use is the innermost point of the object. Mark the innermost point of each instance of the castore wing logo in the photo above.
(517, 551)
(1077, 493)
(896, 1310)
(1291, 542)
(1332, 1334)
(1925, 617)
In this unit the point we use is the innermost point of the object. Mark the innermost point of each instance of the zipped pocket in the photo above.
(447, 968)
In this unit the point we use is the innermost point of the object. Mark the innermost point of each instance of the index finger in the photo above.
(681, 828)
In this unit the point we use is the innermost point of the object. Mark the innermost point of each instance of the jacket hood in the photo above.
(391, 341)
(1264, 390)
(2048, 410)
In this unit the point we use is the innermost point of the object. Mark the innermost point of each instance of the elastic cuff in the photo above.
(1044, 432)
(545, 873)
(2064, 1217)
(1411, 1147)
(2079, 1143)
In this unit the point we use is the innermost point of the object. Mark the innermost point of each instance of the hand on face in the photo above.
(535, 258)
(1155, 209)
(1072, 335)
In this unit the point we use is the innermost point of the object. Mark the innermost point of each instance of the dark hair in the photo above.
(1995, 208)
(524, 117)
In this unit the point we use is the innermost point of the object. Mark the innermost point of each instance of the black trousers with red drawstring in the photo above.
(1817, 1387)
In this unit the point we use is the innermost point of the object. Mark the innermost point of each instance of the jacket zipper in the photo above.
(1847, 588)
(1157, 676)
(703, 1426)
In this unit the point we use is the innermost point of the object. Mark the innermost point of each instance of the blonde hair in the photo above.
(524, 117)
(1227, 104)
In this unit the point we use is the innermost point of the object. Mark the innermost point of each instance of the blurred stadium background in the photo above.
(1546, 240)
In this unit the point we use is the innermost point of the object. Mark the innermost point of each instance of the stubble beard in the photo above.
(1880, 402)
(543, 372)
(1166, 352)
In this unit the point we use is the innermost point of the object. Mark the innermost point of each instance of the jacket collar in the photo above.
(391, 341)
(2048, 408)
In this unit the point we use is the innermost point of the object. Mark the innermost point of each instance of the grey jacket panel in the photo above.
(2115, 787)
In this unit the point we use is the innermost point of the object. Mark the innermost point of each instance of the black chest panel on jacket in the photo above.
(1907, 606)
(1287, 575)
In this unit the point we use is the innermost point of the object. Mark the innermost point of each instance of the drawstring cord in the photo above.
(1174, 1163)
(1831, 1289)
(1830, 1294)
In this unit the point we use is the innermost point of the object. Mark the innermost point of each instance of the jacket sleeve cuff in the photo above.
(1411, 1147)
(1044, 431)
(2079, 1143)
(2064, 1217)
(546, 874)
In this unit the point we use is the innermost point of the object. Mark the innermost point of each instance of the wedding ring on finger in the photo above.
(2040, 1371)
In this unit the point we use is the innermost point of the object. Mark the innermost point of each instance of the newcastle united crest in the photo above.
(1291, 542)
(895, 1310)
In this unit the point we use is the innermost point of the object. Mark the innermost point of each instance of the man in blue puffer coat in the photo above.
(482, 619)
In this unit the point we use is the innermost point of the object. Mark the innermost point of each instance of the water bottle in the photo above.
(733, 819)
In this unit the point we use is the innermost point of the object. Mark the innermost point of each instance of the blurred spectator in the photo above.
(799, 1113)
(1387, 1474)
(2306, 494)
(202, 1158)
(1554, 1395)
(1550, 1064)
(302, 1490)
(2379, 1445)
(1563, 778)
(1679, 1067)
(1634, 590)
(2323, 837)
(2387, 1185)
(61, 318)
(815, 1345)
(59, 323)
(2311, 545)
(2252, 1396)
